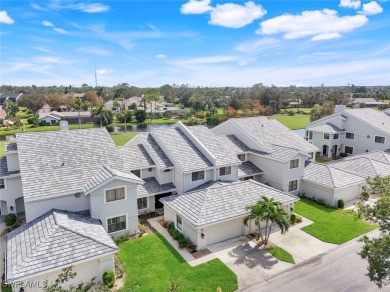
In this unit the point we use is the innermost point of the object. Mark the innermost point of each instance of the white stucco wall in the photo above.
(69, 203)
(102, 210)
(13, 190)
(348, 193)
(85, 272)
(164, 177)
(189, 184)
(13, 161)
(145, 173)
(314, 190)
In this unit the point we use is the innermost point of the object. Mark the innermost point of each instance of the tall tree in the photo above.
(102, 113)
(153, 96)
(11, 108)
(78, 104)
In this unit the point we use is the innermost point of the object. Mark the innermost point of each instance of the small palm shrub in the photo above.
(340, 204)
(109, 279)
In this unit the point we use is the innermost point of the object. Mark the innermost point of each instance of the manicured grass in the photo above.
(28, 128)
(161, 121)
(331, 225)
(121, 139)
(6, 289)
(321, 160)
(151, 262)
(295, 122)
(281, 254)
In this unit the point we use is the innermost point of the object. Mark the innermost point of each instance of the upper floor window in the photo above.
(335, 136)
(116, 223)
(294, 163)
(379, 139)
(179, 222)
(293, 185)
(350, 135)
(2, 184)
(115, 194)
(142, 203)
(326, 136)
(241, 157)
(225, 170)
(310, 135)
(136, 172)
(199, 175)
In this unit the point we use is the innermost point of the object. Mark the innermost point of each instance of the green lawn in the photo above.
(321, 160)
(6, 289)
(331, 225)
(151, 262)
(121, 139)
(281, 254)
(295, 122)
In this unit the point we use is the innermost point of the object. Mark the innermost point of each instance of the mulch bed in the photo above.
(200, 253)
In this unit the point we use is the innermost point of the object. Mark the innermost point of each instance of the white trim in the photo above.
(116, 216)
(204, 176)
(384, 142)
(288, 185)
(114, 188)
(147, 203)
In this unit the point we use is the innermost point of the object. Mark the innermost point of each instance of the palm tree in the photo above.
(101, 112)
(270, 211)
(11, 108)
(150, 98)
(78, 105)
(127, 115)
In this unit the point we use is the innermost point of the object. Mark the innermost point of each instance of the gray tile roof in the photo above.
(215, 145)
(326, 128)
(154, 150)
(4, 168)
(387, 111)
(106, 173)
(152, 187)
(247, 168)
(380, 156)
(220, 202)
(234, 144)
(52, 163)
(378, 119)
(55, 239)
(329, 176)
(363, 166)
(187, 155)
(268, 133)
(136, 157)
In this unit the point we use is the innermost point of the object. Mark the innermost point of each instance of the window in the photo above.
(350, 135)
(379, 139)
(136, 172)
(241, 157)
(225, 170)
(115, 194)
(294, 163)
(142, 203)
(310, 135)
(199, 175)
(348, 149)
(2, 184)
(116, 224)
(335, 136)
(179, 223)
(293, 185)
(326, 136)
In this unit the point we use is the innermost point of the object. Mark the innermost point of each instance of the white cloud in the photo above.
(161, 56)
(4, 18)
(47, 23)
(196, 7)
(258, 45)
(236, 16)
(371, 8)
(350, 4)
(103, 71)
(47, 59)
(37, 7)
(95, 51)
(90, 8)
(320, 25)
(60, 30)
(206, 60)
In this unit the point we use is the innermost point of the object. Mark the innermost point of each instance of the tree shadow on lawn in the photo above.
(253, 257)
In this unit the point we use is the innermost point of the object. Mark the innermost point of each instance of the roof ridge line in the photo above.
(331, 175)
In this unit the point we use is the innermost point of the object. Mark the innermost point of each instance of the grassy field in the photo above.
(121, 139)
(295, 122)
(281, 254)
(331, 225)
(151, 263)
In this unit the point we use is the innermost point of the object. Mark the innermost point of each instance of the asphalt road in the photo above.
(341, 270)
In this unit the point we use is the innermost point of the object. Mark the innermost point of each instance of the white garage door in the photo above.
(226, 230)
(350, 193)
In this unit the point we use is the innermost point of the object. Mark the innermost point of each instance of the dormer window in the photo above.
(225, 170)
(115, 194)
(199, 175)
(294, 163)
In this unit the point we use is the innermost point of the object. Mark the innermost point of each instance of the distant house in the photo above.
(55, 117)
(365, 102)
(11, 96)
(3, 115)
(109, 105)
(78, 95)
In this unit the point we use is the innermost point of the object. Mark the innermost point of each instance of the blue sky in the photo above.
(200, 43)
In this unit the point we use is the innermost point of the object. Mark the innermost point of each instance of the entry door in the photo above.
(158, 204)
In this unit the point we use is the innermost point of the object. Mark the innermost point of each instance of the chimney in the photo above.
(339, 108)
(64, 125)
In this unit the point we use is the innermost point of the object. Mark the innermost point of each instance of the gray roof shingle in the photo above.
(363, 166)
(222, 201)
(136, 157)
(187, 155)
(155, 151)
(152, 187)
(247, 168)
(329, 176)
(55, 239)
(215, 145)
(326, 128)
(4, 168)
(379, 120)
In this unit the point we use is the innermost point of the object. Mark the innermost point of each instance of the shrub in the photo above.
(193, 246)
(321, 202)
(10, 219)
(293, 218)
(182, 242)
(109, 279)
(342, 154)
(167, 115)
(43, 123)
(299, 219)
(142, 228)
(365, 195)
(340, 204)
(291, 113)
(122, 238)
(33, 120)
(140, 116)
